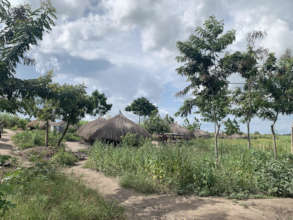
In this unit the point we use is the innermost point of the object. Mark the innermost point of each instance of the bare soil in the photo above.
(167, 206)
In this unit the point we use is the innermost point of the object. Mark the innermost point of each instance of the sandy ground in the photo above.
(168, 207)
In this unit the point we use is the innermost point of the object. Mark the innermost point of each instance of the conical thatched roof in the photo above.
(200, 133)
(177, 129)
(116, 127)
(86, 131)
(36, 124)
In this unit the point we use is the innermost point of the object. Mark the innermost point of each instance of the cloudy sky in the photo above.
(127, 48)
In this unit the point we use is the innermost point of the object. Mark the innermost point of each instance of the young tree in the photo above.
(156, 125)
(21, 28)
(231, 127)
(276, 83)
(201, 58)
(247, 64)
(141, 107)
(73, 103)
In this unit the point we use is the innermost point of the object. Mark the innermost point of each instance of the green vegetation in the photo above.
(28, 139)
(141, 107)
(155, 124)
(191, 168)
(64, 158)
(42, 193)
(132, 140)
(13, 122)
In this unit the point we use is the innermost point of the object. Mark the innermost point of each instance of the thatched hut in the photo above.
(179, 130)
(86, 131)
(201, 134)
(113, 129)
(36, 124)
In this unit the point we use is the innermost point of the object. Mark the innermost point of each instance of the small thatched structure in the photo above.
(201, 134)
(86, 131)
(113, 129)
(36, 124)
(177, 129)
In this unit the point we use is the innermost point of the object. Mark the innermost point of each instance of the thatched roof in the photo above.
(116, 127)
(86, 131)
(177, 129)
(36, 124)
(200, 133)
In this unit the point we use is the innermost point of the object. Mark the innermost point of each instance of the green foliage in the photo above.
(195, 125)
(41, 192)
(142, 107)
(5, 205)
(22, 29)
(132, 140)
(12, 121)
(73, 103)
(156, 125)
(231, 127)
(191, 168)
(28, 139)
(3, 159)
(64, 158)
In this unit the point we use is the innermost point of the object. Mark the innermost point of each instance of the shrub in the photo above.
(28, 139)
(64, 158)
(132, 140)
(155, 124)
(13, 122)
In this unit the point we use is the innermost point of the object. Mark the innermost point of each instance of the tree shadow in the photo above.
(4, 139)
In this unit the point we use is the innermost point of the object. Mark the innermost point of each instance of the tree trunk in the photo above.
(139, 119)
(248, 134)
(274, 139)
(292, 140)
(47, 134)
(63, 134)
(217, 130)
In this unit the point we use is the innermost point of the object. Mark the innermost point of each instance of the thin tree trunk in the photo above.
(47, 134)
(63, 134)
(248, 134)
(139, 119)
(274, 139)
(292, 140)
(217, 130)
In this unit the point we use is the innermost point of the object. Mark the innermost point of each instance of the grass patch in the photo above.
(42, 193)
(28, 139)
(64, 158)
(190, 168)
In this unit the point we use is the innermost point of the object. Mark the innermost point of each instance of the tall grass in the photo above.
(43, 193)
(190, 168)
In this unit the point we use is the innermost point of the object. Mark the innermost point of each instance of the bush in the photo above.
(155, 124)
(28, 139)
(13, 122)
(64, 158)
(132, 140)
(70, 136)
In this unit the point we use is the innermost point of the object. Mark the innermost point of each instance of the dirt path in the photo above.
(173, 207)
(7, 147)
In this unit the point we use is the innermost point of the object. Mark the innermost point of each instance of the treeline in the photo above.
(267, 91)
